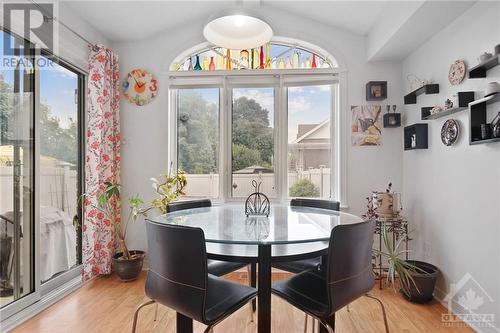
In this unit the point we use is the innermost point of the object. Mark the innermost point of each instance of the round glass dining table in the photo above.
(288, 233)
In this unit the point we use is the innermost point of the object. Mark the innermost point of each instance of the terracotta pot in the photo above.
(128, 270)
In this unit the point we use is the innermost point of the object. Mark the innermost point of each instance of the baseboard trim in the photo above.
(49, 299)
(440, 295)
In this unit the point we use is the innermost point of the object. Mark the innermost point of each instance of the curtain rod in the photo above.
(62, 23)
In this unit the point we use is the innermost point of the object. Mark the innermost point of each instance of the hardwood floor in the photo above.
(107, 305)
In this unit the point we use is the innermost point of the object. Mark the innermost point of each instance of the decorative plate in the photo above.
(450, 132)
(457, 72)
(140, 87)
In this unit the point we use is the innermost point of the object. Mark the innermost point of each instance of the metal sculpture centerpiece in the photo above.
(257, 203)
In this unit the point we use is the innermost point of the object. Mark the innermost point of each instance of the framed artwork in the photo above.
(376, 90)
(366, 125)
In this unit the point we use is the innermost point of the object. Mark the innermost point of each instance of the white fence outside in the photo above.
(207, 185)
(57, 188)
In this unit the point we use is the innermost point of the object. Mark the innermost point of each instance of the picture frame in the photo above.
(376, 90)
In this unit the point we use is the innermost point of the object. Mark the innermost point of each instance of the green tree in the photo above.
(251, 129)
(304, 188)
(197, 132)
(244, 157)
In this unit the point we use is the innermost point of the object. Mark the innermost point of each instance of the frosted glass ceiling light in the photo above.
(237, 32)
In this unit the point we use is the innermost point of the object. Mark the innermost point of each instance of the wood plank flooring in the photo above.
(107, 305)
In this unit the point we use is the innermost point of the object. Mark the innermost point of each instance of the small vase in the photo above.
(212, 64)
(197, 66)
(313, 64)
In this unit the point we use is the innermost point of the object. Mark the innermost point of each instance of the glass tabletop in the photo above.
(285, 225)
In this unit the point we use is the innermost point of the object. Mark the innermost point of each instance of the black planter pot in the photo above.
(425, 283)
(128, 270)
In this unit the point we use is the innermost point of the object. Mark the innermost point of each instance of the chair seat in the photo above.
(224, 297)
(220, 268)
(298, 266)
(306, 291)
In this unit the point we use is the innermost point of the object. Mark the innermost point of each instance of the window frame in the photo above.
(280, 80)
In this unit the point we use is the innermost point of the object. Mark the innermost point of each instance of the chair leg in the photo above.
(156, 311)
(209, 329)
(305, 323)
(313, 325)
(136, 314)
(328, 327)
(347, 307)
(383, 311)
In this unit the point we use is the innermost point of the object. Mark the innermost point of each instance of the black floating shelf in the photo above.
(464, 98)
(427, 89)
(485, 141)
(477, 116)
(480, 70)
(421, 133)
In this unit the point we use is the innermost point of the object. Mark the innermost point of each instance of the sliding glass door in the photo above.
(41, 112)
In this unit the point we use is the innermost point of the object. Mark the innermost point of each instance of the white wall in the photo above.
(145, 128)
(452, 194)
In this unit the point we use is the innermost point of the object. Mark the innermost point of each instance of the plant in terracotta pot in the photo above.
(128, 263)
(417, 279)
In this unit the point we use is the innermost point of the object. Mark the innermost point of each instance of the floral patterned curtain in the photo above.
(102, 158)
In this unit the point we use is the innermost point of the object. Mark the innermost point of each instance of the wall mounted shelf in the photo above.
(478, 115)
(420, 131)
(480, 70)
(427, 89)
(464, 98)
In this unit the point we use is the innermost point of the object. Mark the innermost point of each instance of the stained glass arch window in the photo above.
(281, 53)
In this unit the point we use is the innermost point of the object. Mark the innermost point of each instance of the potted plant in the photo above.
(417, 279)
(128, 263)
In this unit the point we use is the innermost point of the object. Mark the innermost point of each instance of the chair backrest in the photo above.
(177, 276)
(316, 203)
(188, 204)
(349, 265)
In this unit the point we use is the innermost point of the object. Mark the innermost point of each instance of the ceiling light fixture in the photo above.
(237, 31)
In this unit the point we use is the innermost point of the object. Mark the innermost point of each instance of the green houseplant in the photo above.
(417, 279)
(128, 263)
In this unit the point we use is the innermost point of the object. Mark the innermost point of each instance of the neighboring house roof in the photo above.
(7, 158)
(254, 169)
(313, 130)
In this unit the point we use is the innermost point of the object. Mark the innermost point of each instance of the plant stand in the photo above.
(397, 226)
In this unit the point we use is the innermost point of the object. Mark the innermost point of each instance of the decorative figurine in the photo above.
(243, 59)
(448, 104)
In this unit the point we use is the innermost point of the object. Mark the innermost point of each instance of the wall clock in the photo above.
(140, 87)
(457, 72)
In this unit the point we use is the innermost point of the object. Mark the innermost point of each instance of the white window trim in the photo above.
(280, 79)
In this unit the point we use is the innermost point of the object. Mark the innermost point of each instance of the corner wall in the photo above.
(452, 194)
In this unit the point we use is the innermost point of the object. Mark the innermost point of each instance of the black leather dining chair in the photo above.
(215, 267)
(298, 266)
(178, 277)
(347, 276)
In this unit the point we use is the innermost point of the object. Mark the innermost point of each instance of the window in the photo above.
(278, 128)
(309, 141)
(198, 140)
(38, 187)
(252, 141)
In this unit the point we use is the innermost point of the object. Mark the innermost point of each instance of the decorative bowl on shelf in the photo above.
(491, 89)
(485, 56)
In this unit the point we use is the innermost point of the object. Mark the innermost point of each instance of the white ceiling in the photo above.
(132, 20)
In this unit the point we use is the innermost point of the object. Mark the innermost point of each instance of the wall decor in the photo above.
(450, 132)
(365, 125)
(456, 74)
(483, 57)
(140, 87)
(416, 137)
(376, 90)
(392, 119)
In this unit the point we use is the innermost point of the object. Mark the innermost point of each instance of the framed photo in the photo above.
(376, 90)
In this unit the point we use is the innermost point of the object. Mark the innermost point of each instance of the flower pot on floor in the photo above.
(425, 282)
(129, 269)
